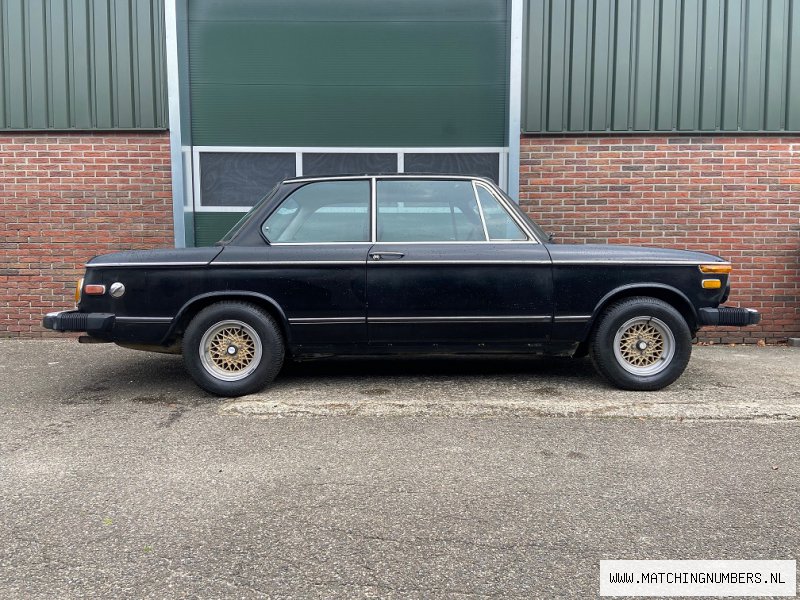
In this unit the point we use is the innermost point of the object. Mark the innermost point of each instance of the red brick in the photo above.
(48, 205)
(745, 208)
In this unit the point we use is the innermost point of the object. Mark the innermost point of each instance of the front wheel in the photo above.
(233, 348)
(641, 343)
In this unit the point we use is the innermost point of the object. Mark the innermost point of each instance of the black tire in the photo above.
(641, 320)
(254, 361)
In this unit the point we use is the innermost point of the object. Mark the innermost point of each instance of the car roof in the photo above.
(388, 176)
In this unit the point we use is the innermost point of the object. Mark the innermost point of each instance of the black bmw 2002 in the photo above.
(400, 264)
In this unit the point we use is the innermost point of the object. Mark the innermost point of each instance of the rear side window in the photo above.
(499, 224)
(427, 211)
(326, 211)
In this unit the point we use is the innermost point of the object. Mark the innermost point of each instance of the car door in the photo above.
(314, 264)
(452, 268)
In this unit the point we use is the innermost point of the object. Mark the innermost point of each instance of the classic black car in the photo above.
(400, 264)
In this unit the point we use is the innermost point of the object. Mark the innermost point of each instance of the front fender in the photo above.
(624, 290)
(666, 292)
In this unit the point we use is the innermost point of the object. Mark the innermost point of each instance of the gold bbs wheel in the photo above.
(644, 346)
(230, 350)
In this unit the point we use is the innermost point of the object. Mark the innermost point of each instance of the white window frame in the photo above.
(298, 151)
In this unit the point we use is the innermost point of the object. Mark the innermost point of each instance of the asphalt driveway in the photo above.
(119, 478)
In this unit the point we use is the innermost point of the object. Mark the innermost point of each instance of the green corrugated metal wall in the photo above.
(662, 65)
(82, 64)
(349, 73)
(209, 227)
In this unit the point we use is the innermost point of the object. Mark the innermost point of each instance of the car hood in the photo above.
(613, 253)
(163, 257)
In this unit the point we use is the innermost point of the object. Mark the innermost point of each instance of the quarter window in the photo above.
(499, 224)
(327, 211)
(427, 211)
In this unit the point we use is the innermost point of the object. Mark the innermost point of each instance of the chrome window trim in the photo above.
(373, 179)
(323, 179)
(411, 176)
(522, 225)
(480, 210)
(482, 242)
(373, 210)
(482, 181)
(469, 178)
(321, 243)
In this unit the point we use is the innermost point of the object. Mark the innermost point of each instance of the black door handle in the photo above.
(386, 255)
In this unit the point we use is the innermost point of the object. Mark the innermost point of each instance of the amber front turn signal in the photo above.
(718, 268)
(78, 288)
(712, 284)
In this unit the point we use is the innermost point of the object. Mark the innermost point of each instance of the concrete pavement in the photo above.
(118, 478)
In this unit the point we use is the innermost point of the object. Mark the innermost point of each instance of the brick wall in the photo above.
(738, 197)
(66, 198)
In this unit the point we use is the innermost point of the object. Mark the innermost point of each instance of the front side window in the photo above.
(325, 211)
(499, 224)
(427, 211)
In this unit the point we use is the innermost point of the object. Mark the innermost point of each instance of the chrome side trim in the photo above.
(288, 263)
(642, 263)
(462, 262)
(464, 319)
(147, 264)
(327, 320)
(144, 319)
(572, 318)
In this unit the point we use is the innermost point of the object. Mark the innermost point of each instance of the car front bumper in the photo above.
(729, 317)
(73, 320)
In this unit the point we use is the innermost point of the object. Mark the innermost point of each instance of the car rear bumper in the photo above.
(729, 317)
(73, 320)
(110, 327)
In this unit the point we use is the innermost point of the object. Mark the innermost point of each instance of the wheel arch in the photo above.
(198, 303)
(672, 296)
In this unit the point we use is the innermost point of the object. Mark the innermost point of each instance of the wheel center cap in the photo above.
(232, 350)
(642, 345)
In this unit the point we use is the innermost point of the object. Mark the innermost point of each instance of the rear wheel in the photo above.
(641, 343)
(233, 348)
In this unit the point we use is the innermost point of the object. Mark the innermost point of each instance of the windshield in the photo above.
(240, 223)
